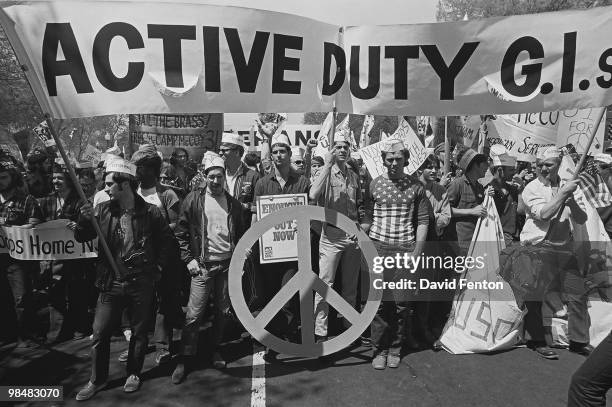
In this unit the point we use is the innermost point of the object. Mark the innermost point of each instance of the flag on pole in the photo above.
(595, 190)
(323, 139)
(352, 141)
(368, 124)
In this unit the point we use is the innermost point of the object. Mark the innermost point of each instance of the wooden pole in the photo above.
(79, 190)
(447, 167)
(588, 146)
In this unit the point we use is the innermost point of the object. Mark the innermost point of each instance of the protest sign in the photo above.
(523, 135)
(298, 134)
(43, 133)
(185, 58)
(280, 243)
(470, 125)
(484, 320)
(418, 153)
(196, 133)
(47, 241)
(576, 126)
(92, 155)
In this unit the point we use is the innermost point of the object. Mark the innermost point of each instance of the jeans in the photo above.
(335, 248)
(137, 295)
(562, 267)
(274, 277)
(214, 277)
(593, 378)
(19, 278)
(389, 325)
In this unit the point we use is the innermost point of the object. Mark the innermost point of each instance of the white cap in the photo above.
(342, 136)
(209, 155)
(603, 158)
(549, 153)
(280, 138)
(214, 162)
(233, 138)
(118, 164)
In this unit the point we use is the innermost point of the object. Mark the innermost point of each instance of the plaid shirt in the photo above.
(463, 195)
(50, 209)
(396, 209)
(19, 210)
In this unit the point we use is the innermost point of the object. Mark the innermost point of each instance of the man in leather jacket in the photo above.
(138, 237)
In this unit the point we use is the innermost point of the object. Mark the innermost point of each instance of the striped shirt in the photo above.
(396, 209)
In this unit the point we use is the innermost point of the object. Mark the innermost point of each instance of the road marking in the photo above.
(258, 382)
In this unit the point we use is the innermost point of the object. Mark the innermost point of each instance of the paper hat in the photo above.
(214, 162)
(232, 138)
(603, 158)
(500, 157)
(548, 153)
(118, 164)
(342, 136)
(280, 138)
(391, 145)
(209, 155)
(297, 153)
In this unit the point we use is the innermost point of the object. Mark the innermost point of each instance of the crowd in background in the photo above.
(171, 226)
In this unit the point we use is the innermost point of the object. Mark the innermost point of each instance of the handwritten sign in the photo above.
(576, 126)
(279, 243)
(47, 241)
(418, 153)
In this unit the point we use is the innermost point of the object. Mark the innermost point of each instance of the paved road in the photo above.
(425, 378)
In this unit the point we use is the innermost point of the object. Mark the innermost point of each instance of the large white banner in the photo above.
(524, 135)
(90, 58)
(47, 241)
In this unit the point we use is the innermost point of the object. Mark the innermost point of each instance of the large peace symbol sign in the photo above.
(305, 282)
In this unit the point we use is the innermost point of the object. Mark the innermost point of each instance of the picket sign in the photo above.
(484, 320)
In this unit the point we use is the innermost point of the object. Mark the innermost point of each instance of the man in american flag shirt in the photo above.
(399, 217)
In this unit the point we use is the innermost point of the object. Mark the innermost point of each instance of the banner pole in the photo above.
(588, 146)
(79, 190)
(446, 147)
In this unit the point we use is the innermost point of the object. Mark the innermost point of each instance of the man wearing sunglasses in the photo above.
(336, 248)
(239, 179)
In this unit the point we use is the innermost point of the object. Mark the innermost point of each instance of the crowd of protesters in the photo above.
(171, 228)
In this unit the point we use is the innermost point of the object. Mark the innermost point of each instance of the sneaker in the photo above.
(218, 361)
(131, 384)
(393, 361)
(123, 356)
(179, 373)
(89, 391)
(379, 362)
(162, 356)
(546, 352)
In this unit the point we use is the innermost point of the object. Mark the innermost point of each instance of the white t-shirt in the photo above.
(218, 242)
(151, 196)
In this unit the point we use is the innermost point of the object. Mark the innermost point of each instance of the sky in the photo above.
(341, 12)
